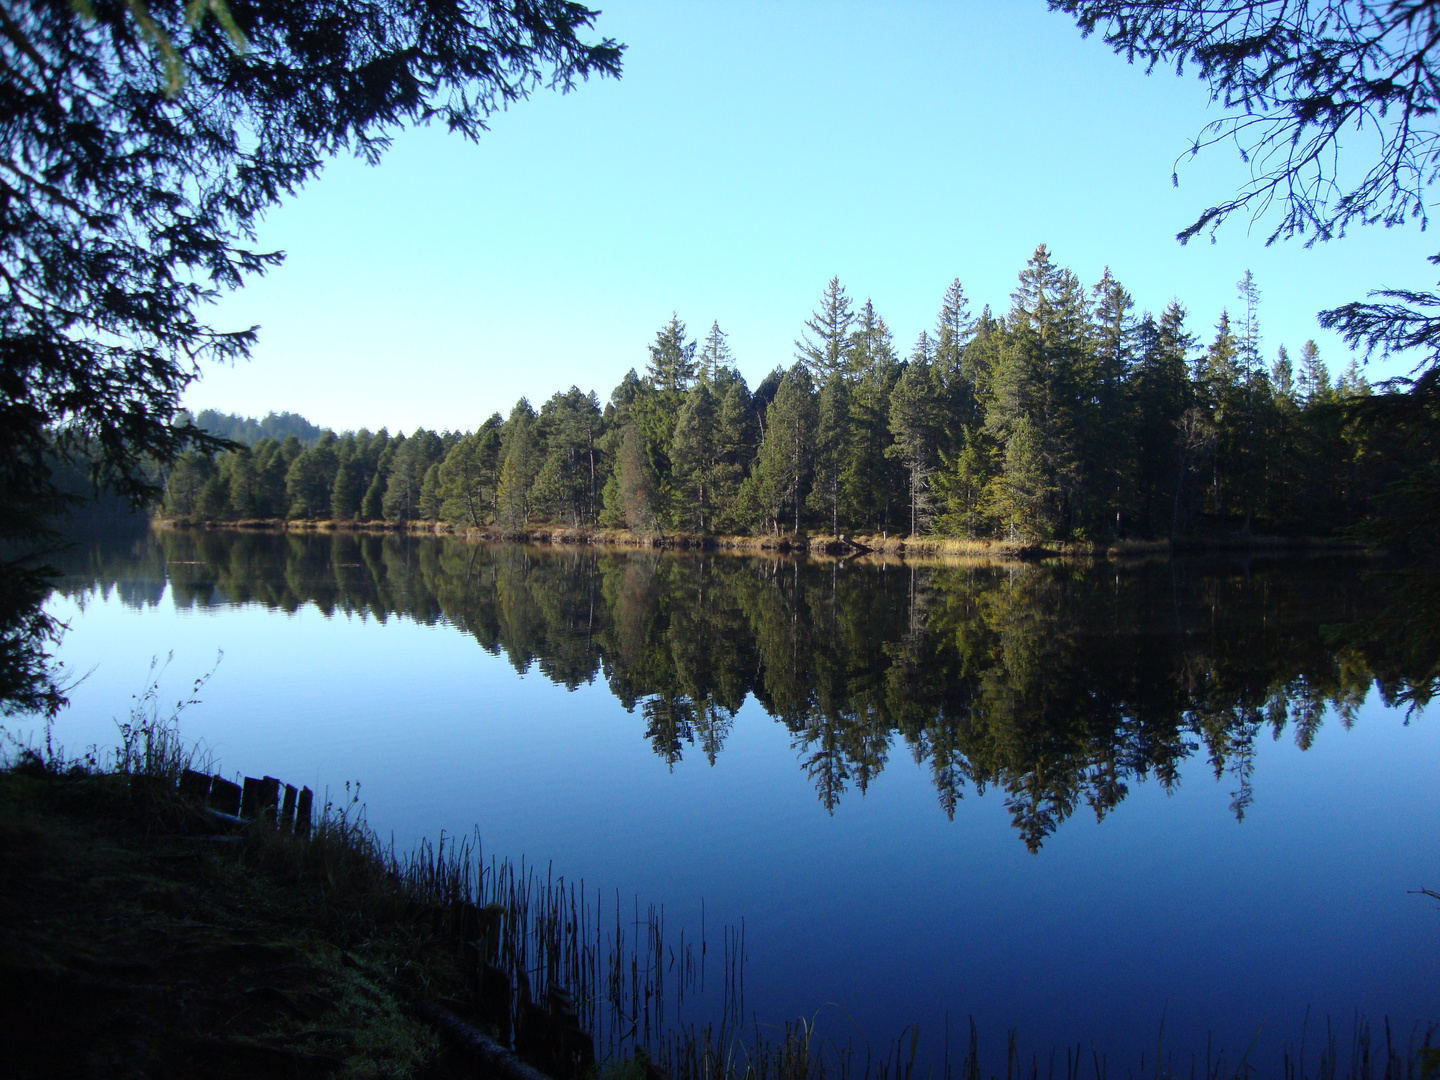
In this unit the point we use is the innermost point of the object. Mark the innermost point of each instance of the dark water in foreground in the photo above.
(1065, 799)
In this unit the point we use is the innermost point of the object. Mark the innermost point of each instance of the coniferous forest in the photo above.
(1071, 417)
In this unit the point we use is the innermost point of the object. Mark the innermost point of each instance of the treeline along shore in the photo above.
(1068, 419)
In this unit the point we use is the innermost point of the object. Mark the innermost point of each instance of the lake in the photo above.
(1077, 800)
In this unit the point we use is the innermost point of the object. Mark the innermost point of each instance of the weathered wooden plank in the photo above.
(287, 809)
(225, 796)
(302, 812)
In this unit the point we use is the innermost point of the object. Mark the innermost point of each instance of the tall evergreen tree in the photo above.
(470, 475)
(736, 436)
(521, 458)
(782, 467)
(916, 424)
(634, 484)
(824, 350)
(672, 358)
(715, 357)
(832, 439)
(696, 453)
(869, 480)
(1314, 382)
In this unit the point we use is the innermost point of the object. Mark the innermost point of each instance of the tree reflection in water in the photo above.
(1058, 684)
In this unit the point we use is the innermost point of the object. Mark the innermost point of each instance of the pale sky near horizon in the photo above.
(749, 152)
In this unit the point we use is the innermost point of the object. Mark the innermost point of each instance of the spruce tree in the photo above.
(520, 463)
(715, 357)
(832, 439)
(1314, 385)
(953, 329)
(736, 437)
(824, 350)
(634, 485)
(869, 481)
(782, 466)
(672, 358)
(1160, 393)
(915, 421)
(695, 453)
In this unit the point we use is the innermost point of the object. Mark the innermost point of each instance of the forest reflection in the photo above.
(1056, 684)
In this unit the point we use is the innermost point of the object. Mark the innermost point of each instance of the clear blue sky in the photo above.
(750, 152)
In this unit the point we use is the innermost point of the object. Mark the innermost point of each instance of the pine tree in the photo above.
(311, 478)
(428, 507)
(1042, 390)
(345, 495)
(1107, 445)
(567, 484)
(244, 486)
(826, 352)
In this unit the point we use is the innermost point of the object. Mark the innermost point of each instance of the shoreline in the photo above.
(811, 545)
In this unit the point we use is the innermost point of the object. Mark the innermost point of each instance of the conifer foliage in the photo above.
(1070, 417)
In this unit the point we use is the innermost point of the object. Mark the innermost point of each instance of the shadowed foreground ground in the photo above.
(134, 943)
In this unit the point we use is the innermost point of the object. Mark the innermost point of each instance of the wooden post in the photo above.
(269, 800)
(194, 785)
(302, 812)
(225, 796)
(249, 796)
(287, 809)
(258, 798)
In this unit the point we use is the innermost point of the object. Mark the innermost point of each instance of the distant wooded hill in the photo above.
(277, 426)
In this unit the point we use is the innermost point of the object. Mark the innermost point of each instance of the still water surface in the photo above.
(1059, 798)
